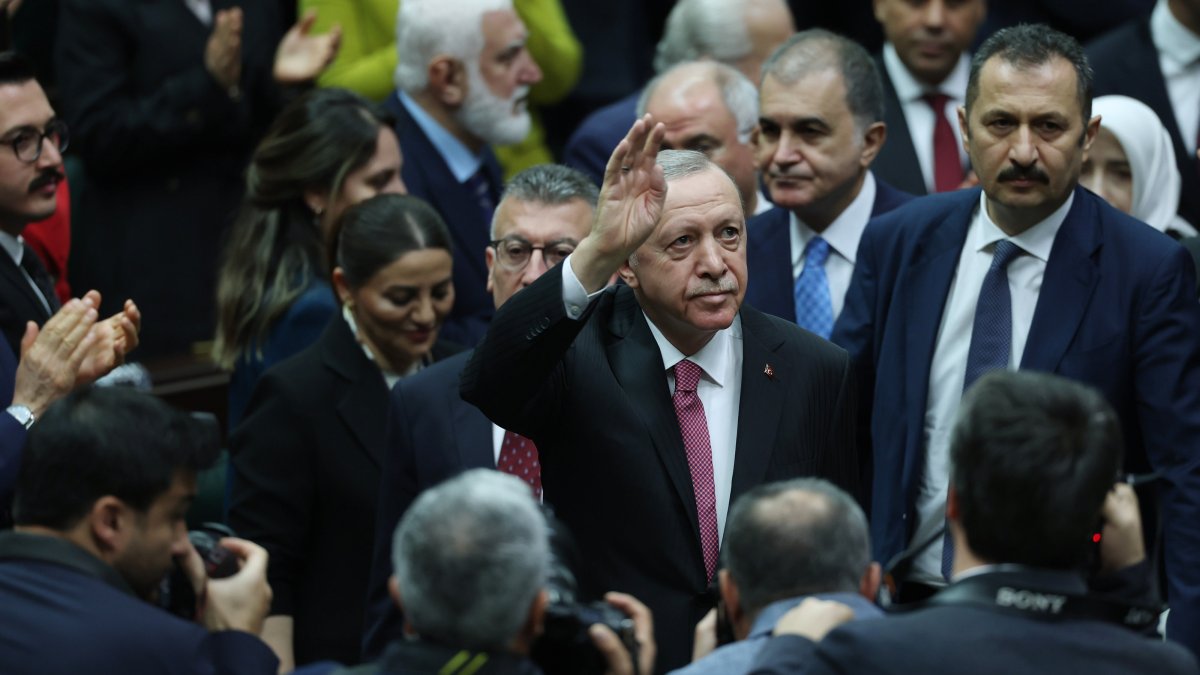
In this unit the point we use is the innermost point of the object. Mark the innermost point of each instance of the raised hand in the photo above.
(631, 202)
(51, 356)
(302, 56)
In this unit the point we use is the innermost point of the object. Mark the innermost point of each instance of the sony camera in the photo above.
(565, 645)
(175, 593)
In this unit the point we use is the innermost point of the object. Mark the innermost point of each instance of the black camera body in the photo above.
(565, 645)
(175, 593)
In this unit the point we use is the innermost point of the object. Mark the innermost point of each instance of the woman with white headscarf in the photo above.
(1132, 165)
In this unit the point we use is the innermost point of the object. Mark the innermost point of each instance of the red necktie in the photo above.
(690, 411)
(519, 457)
(947, 167)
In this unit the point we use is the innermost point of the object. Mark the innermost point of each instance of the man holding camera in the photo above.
(1033, 461)
(106, 479)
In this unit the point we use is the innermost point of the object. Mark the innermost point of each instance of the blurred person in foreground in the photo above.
(107, 477)
(1034, 459)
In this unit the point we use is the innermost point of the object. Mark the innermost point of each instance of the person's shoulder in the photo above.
(774, 217)
(1109, 45)
(791, 338)
(736, 657)
(437, 375)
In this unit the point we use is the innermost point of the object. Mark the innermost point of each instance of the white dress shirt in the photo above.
(947, 371)
(14, 247)
(719, 389)
(843, 235)
(1179, 59)
(202, 9)
(917, 113)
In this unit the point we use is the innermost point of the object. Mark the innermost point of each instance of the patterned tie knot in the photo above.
(687, 375)
(1004, 254)
(937, 101)
(816, 252)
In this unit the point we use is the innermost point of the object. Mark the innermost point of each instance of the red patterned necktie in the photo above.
(519, 457)
(692, 423)
(947, 166)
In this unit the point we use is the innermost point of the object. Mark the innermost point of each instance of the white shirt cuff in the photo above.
(575, 296)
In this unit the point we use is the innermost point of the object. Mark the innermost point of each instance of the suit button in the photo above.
(544, 324)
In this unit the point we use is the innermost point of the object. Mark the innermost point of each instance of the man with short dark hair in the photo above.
(1029, 271)
(924, 66)
(820, 128)
(788, 541)
(432, 433)
(1034, 457)
(656, 403)
(106, 479)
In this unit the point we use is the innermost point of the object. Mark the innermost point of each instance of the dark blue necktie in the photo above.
(814, 307)
(991, 341)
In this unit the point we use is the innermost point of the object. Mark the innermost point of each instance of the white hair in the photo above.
(696, 29)
(738, 94)
(426, 29)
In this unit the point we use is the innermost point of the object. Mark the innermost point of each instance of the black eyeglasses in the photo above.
(514, 253)
(27, 143)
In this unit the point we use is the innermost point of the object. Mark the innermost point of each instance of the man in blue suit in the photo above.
(462, 85)
(1031, 272)
(433, 434)
(820, 127)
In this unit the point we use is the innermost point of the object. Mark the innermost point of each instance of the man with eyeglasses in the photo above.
(544, 213)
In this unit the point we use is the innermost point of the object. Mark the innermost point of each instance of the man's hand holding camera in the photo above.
(620, 661)
(238, 602)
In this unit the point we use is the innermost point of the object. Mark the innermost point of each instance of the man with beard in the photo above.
(462, 85)
(105, 482)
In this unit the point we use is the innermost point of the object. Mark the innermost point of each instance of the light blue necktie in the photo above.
(991, 341)
(814, 307)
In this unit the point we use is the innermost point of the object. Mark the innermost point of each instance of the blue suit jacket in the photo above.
(432, 435)
(12, 433)
(590, 146)
(427, 176)
(769, 253)
(1117, 310)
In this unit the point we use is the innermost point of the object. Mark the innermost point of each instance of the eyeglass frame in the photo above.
(54, 127)
(495, 244)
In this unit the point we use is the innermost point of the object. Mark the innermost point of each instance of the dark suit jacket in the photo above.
(1117, 310)
(897, 161)
(163, 152)
(1126, 62)
(428, 177)
(593, 396)
(18, 302)
(769, 254)
(978, 639)
(65, 611)
(306, 459)
(590, 146)
(12, 433)
(432, 435)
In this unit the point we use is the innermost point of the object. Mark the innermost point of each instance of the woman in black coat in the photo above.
(307, 454)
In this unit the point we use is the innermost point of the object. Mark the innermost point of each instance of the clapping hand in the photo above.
(223, 52)
(302, 56)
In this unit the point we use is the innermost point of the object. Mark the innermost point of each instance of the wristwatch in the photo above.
(21, 414)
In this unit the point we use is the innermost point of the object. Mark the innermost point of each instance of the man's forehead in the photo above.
(502, 28)
(1052, 81)
(23, 103)
(537, 221)
(708, 189)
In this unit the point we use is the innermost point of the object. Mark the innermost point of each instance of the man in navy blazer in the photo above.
(456, 96)
(1088, 293)
(432, 433)
(820, 127)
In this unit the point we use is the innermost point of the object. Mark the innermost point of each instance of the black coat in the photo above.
(307, 460)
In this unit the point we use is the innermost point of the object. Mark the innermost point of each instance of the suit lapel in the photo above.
(898, 158)
(14, 277)
(472, 432)
(761, 405)
(772, 281)
(1067, 286)
(933, 268)
(362, 404)
(638, 367)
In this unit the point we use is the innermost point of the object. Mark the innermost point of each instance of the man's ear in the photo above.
(489, 258)
(627, 275)
(964, 129)
(731, 596)
(394, 590)
(873, 140)
(448, 81)
(110, 522)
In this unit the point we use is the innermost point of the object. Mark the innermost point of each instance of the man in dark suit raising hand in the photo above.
(656, 403)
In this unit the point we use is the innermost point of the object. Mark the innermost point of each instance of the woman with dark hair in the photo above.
(307, 454)
(326, 151)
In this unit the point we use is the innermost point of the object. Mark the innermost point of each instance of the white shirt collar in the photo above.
(1172, 39)
(713, 358)
(908, 88)
(1036, 241)
(763, 204)
(462, 162)
(844, 233)
(13, 246)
